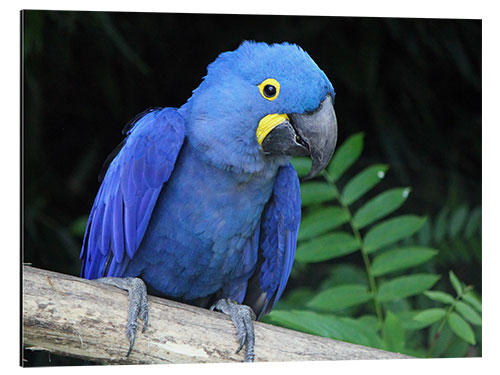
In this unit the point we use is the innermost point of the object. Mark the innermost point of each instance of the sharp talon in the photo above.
(131, 329)
(137, 304)
(131, 345)
(242, 317)
(242, 344)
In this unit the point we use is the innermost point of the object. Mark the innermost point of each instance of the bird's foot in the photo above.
(137, 303)
(242, 317)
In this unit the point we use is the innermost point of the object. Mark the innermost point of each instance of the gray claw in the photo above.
(242, 317)
(242, 344)
(137, 303)
(131, 336)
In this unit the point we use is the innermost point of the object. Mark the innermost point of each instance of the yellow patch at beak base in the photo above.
(268, 123)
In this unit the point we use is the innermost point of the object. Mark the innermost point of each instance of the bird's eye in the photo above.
(269, 89)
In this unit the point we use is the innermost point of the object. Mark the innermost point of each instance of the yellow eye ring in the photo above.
(269, 89)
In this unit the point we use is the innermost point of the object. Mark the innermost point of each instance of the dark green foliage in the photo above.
(457, 233)
(380, 305)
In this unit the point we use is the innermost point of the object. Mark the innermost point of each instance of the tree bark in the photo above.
(71, 316)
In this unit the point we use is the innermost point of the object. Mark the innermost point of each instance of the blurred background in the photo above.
(412, 86)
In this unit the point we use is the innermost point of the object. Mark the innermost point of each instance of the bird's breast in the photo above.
(201, 233)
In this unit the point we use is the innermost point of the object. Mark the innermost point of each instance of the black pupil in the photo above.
(269, 91)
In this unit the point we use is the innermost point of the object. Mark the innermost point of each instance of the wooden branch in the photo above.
(80, 318)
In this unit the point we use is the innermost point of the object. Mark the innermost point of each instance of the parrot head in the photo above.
(262, 104)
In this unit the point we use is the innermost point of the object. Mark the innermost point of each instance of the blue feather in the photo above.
(127, 196)
(191, 204)
(280, 227)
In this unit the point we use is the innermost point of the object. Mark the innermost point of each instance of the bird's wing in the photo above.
(278, 241)
(129, 190)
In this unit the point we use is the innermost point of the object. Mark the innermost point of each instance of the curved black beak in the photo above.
(310, 133)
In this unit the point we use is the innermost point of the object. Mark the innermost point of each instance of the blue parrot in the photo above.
(200, 204)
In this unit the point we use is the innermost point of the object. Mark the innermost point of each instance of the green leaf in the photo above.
(340, 297)
(468, 313)
(326, 247)
(457, 220)
(471, 298)
(347, 153)
(457, 285)
(358, 332)
(316, 192)
(371, 321)
(407, 320)
(394, 333)
(440, 226)
(430, 316)
(363, 182)
(326, 325)
(302, 165)
(380, 206)
(307, 321)
(321, 221)
(461, 328)
(473, 223)
(439, 296)
(392, 230)
(406, 286)
(399, 259)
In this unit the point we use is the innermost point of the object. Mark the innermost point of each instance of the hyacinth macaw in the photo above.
(201, 204)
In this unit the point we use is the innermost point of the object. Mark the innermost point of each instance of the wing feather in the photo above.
(278, 241)
(129, 191)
